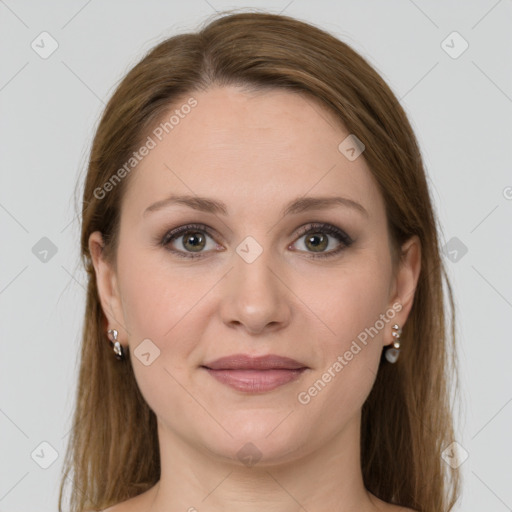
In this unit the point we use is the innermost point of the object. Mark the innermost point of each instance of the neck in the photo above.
(328, 477)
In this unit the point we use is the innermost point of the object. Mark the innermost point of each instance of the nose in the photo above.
(255, 296)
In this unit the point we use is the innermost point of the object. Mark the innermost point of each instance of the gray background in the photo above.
(460, 108)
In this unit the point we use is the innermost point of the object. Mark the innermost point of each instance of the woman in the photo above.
(265, 323)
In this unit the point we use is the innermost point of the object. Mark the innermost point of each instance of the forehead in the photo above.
(250, 150)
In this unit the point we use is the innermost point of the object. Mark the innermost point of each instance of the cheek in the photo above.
(157, 304)
(354, 301)
(161, 303)
(356, 309)
(156, 296)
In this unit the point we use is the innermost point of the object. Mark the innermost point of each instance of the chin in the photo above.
(268, 441)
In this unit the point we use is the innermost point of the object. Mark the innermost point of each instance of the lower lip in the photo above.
(255, 381)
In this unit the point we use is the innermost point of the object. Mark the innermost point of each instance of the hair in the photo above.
(406, 421)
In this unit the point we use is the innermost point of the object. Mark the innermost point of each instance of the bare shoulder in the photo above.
(135, 504)
(384, 506)
(125, 506)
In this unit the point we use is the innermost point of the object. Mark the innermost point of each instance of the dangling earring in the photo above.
(118, 349)
(393, 352)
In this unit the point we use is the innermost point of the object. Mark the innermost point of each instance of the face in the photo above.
(315, 284)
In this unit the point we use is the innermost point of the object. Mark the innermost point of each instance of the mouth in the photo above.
(255, 381)
(255, 374)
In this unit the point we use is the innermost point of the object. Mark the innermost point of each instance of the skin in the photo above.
(255, 152)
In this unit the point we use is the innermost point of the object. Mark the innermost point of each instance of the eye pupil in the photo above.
(196, 239)
(316, 243)
(315, 238)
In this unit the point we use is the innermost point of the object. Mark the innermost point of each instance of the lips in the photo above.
(246, 362)
(255, 374)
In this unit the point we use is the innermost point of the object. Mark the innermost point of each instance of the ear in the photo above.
(108, 289)
(405, 281)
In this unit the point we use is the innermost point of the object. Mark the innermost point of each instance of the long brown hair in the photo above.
(113, 451)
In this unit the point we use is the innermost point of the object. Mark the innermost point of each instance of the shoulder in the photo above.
(120, 507)
(125, 506)
(135, 504)
(384, 506)
(130, 506)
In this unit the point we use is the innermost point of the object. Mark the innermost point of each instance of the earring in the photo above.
(118, 349)
(393, 352)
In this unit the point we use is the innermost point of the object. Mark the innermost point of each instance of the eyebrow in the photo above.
(299, 205)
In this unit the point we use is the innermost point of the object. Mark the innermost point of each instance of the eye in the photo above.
(317, 239)
(194, 240)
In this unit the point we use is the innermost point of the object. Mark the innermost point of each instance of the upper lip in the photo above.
(247, 362)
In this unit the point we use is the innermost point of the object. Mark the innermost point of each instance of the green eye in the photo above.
(195, 240)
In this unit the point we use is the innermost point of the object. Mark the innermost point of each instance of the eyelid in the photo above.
(328, 228)
(187, 227)
(343, 238)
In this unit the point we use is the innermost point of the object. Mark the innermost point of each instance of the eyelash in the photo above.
(314, 227)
